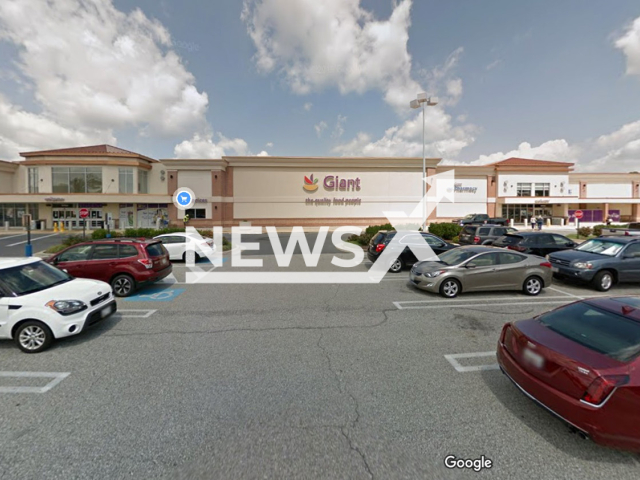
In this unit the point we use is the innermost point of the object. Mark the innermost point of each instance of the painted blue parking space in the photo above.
(155, 295)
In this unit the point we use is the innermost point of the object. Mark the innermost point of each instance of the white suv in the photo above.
(39, 303)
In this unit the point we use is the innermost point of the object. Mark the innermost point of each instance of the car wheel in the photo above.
(123, 285)
(603, 281)
(396, 266)
(33, 337)
(184, 257)
(532, 286)
(450, 288)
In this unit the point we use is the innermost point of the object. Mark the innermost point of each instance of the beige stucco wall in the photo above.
(7, 182)
(278, 193)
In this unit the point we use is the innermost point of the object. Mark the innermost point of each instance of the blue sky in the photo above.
(547, 79)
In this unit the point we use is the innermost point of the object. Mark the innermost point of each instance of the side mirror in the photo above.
(471, 265)
(65, 270)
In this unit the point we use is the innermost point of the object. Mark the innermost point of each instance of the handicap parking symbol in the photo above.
(155, 295)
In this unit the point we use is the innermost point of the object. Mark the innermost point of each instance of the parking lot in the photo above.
(289, 381)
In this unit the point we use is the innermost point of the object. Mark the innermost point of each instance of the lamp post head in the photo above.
(414, 104)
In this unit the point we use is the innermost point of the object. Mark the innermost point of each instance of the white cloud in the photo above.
(619, 150)
(442, 82)
(22, 131)
(554, 150)
(269, 144)
(95, 66)
(493, 64)
(334, 43)
(263, 153)
(307, 106)
(338, 130)
(320, 128)
(441, 138)
(204, 146)
(629, 43)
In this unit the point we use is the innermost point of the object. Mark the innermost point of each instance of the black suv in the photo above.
(536, 243)
(406, 256)
(483, 234)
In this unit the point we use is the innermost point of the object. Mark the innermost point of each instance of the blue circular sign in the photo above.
(184, 198)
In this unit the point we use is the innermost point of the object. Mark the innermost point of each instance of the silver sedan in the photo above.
(482, 268)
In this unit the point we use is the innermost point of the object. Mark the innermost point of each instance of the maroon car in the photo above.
(580, 362)
(126, 264)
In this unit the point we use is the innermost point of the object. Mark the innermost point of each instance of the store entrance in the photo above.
(520, 212)
(69, 215)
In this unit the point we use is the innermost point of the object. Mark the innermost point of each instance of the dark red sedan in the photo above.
(581, 362)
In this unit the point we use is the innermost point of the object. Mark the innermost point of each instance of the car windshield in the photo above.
(510, 239)
(469, 217)
(33, 277)
(607, 333)
(155, 250)
(456, 256)
(601, 246)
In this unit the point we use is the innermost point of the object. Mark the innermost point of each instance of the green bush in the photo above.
(447, 231)
(597, 230)
(74, 239)
(585, 231)
(362, 239)
(373, 229)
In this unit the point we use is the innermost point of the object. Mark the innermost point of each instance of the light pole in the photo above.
(424, 101)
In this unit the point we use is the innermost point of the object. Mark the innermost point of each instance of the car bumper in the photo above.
(152, 276)
(594, 422)
(425, 283)
(570, 272)
(74, 324)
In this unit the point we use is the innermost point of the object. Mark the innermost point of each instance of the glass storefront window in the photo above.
(542, 189)
(143, 181)
(126, 180)
(34, 179)
(77, 179)
(524, 190)
(13, 212)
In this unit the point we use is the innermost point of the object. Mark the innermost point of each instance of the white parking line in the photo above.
(452, 359)
(57, 378)
(566, 293)
(135, 313)
(11, 236)
(472, 305)
(464, 302)
(33, 239)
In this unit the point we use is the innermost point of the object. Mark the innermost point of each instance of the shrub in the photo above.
(597, 230)
(73, 239)
(585, 231)
(362, 239)
(447, 231)
(455, 240)
(373, 229)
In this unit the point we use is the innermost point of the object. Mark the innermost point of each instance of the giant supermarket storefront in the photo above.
(124, 189)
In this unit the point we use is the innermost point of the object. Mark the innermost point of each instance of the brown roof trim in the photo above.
(115, 162)
(89, 151)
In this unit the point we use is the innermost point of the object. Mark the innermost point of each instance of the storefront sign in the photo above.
(460, 188)
(202, 200)
(333, 201)
(331, 182)
(54, 199)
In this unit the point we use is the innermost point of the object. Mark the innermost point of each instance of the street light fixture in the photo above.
(424, 101)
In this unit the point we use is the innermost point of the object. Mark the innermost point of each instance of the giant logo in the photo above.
(310, 184)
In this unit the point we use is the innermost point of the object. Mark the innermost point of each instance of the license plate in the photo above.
(106, 311)
(533, 358)
(555, 269)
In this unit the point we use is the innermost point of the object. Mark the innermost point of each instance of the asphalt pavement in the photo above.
(12, 244)
(291, 381)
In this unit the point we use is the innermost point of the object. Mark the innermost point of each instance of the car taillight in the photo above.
(476, 239)
(627, 233)
(380, 247)
(147, 262)
(601, 388)
(545, 264)
(516, 248)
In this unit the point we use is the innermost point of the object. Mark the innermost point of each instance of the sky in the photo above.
(550, 79)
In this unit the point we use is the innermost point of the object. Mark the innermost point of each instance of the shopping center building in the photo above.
(128, 189)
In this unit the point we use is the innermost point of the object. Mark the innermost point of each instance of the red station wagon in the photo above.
(126, 264)
(581, 362)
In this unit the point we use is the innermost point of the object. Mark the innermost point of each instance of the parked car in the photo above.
(633, 229)
(406, 256)
(483, 234)
(40, 303)
(580, 362)
(480, 219)
(603, 261)
(536, 243)
(482, 268)
(126, 264)
(176, 245)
